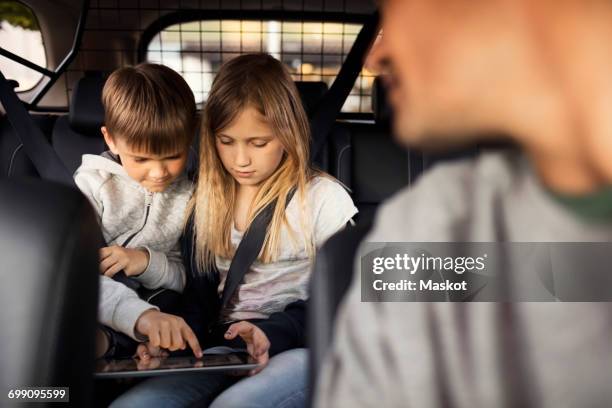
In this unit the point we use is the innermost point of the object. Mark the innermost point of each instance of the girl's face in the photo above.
(248, 148)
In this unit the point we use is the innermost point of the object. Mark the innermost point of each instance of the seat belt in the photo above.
(35, 145)
(248, 250)
(325, 116)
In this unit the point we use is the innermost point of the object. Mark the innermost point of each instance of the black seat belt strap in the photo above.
(325, 115)
(249, 249)
(36, 146)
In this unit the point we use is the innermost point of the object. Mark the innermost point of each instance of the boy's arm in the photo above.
(164, 270)
(120, 307)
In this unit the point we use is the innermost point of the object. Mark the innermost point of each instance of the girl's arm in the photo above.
(285, 330)
(265, 338)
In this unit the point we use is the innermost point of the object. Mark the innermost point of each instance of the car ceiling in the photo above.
(58, 20)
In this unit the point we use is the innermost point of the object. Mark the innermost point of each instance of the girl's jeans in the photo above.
(281, 384)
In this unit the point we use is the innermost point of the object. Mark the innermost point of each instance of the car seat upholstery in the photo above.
(13, 160)
(49, 271)
(78, 133)
(331, 277)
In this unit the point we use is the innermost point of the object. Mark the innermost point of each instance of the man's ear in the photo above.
(109, 140)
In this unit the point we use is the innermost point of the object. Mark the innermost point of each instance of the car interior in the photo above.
(49, 234)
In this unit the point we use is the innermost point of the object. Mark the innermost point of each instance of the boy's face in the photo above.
(153, 172)
(248, 148)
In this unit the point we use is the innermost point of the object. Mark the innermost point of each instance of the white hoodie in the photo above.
(132, 217)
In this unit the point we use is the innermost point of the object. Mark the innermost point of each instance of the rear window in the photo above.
(20, 34)
(313, 51)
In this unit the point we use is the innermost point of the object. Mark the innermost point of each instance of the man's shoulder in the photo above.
(444, 196)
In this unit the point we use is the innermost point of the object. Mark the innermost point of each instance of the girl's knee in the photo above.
(295, 399)
(295, 361)
(132, 399)
(281, 384)
(233, 400)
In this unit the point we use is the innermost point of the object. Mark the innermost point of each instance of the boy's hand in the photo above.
(149, 357)
(256, 340)
(146, 351)
(167, 331)
(115, 258)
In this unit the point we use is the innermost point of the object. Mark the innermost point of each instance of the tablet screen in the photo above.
(158, 366)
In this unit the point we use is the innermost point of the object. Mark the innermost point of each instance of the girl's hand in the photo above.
(256, 340)
(115, 258)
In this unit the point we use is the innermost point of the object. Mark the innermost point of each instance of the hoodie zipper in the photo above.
(148, 200)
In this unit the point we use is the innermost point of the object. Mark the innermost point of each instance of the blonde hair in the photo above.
(151, 108)
(263, 83)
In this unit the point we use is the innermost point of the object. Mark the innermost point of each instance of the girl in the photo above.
(254, 150)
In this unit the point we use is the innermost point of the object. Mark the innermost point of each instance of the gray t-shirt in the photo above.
(472, 354)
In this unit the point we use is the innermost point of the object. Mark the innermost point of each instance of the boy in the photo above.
(140, 193)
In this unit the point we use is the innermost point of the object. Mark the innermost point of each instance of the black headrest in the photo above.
(380, 105)
(311, 94)
(86, 111)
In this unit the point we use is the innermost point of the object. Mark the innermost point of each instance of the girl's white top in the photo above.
(269, 287)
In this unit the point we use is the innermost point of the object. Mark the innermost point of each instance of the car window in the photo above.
(313, 51)
(20, 34)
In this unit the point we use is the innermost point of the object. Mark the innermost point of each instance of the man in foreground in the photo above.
(540, 72)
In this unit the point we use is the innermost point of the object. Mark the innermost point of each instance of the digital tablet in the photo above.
(120, 368)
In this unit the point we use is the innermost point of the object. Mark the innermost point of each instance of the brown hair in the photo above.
(150, 107)
(263, 83)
